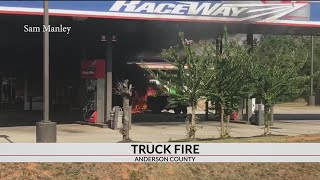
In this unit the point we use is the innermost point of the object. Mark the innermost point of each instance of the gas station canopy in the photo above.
(154, 65)
(142, 25)
(280, 13)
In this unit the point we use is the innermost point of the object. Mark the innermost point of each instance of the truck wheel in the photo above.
(184, 110)
(156, 110)
(177, 110)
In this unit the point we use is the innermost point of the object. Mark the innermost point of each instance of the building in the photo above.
(139, 26)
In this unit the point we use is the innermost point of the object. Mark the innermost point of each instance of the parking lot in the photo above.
(154, 131)
(290, 120)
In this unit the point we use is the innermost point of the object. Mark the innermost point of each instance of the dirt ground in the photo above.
(304, 139)
(153, 171)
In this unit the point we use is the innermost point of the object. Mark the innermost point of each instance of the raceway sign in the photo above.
(255, 12)
(207, 10)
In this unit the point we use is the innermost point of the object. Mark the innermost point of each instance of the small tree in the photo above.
(192, 61)
(231, 81)
(279, 60)
(306, 41)
(125, 91)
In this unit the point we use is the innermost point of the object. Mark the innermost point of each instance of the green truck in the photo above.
(159, 98)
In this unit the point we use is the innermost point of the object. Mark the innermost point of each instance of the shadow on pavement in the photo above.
(29, 118)
(6, 138)
(296, 116)
(164, 117)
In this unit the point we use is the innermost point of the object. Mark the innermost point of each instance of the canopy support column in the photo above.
(46, 131)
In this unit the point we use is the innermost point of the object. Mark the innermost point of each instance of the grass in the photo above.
(258, 139)
(135, 175)
(45, 166)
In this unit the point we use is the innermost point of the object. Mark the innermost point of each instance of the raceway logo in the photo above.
(233, 10)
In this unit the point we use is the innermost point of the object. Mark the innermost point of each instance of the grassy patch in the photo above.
(73, 172)
(256, 139)
(45, 166)
(135, 175)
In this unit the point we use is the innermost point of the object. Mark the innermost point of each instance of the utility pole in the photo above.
(46, 131)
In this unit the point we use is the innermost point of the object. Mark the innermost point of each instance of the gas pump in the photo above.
(89, 110)
(7, 92)
(93, 72)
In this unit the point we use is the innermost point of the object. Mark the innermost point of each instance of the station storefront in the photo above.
(138, 27)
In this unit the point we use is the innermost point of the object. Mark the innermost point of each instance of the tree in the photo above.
(231, 79)
(125, 91)
(316, 41)
(316, 64)
(192, 61)
(279, 60)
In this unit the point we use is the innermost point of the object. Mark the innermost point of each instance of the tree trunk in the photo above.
(191, 127)
(125, 119)
(267, 119)
(221, 113)
(217, 111)
(227, 126)
(193, 115)
(271, 110)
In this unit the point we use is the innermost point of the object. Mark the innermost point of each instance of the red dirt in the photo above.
(304, 139)
(165, 171)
